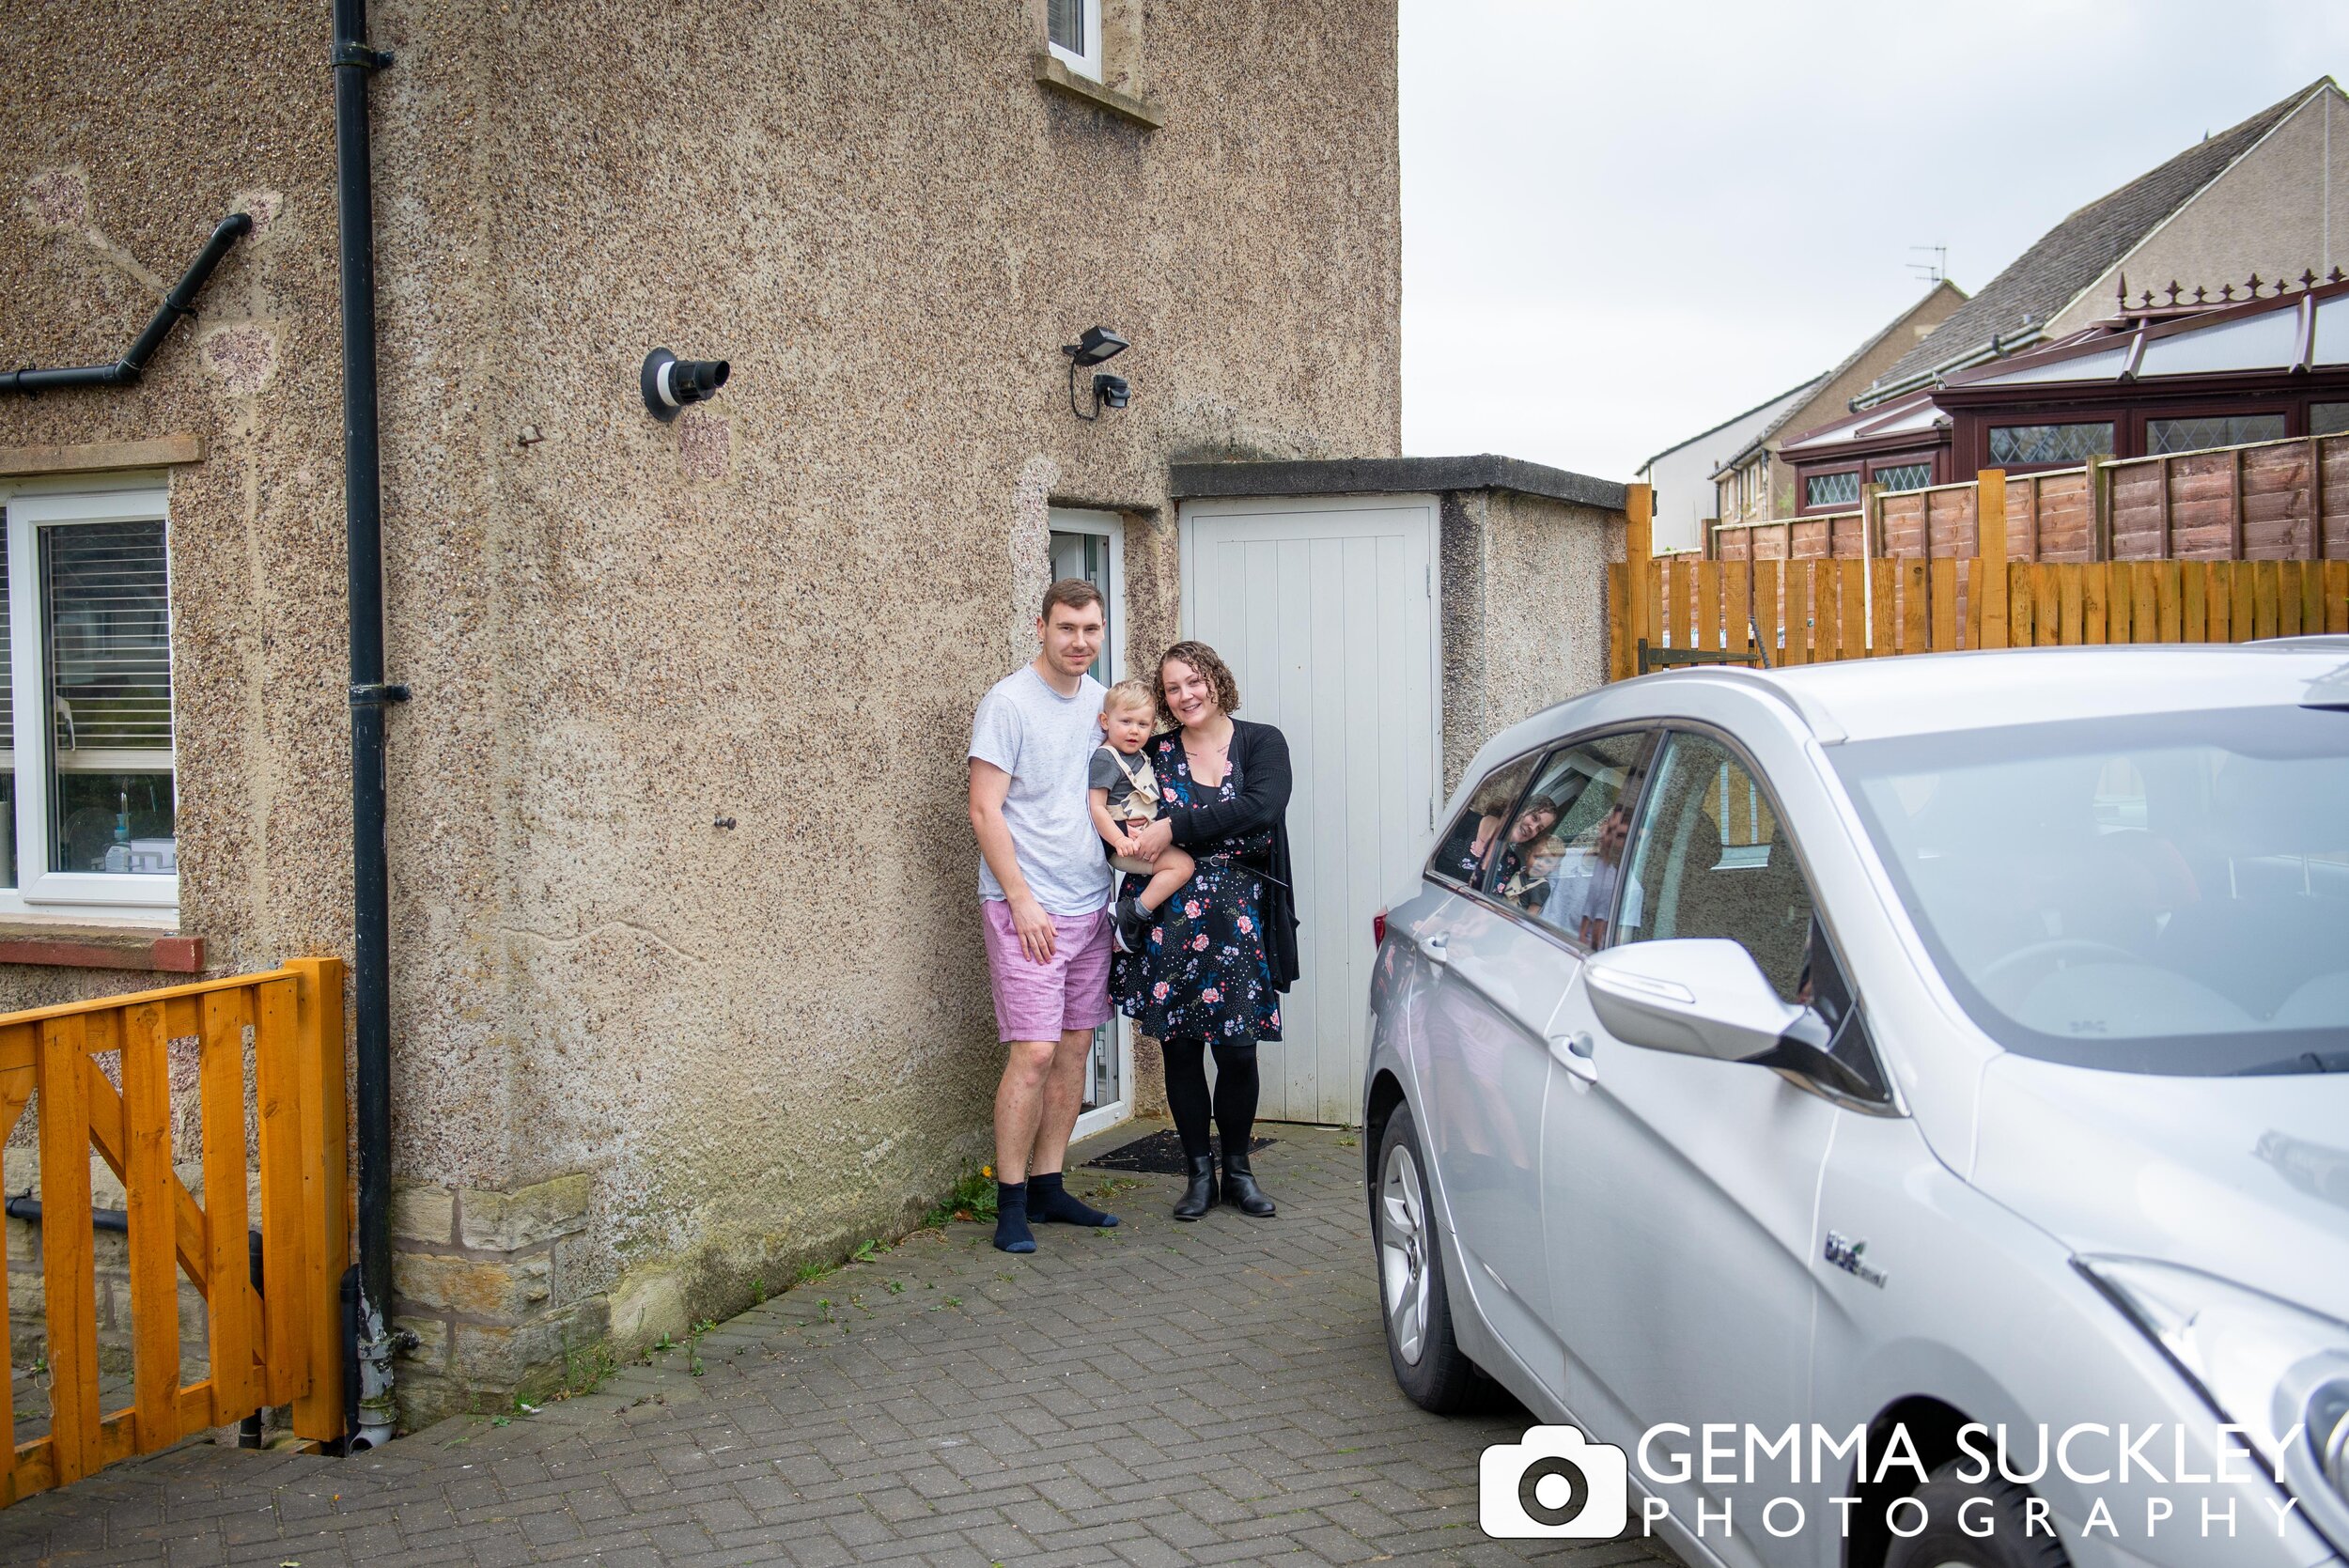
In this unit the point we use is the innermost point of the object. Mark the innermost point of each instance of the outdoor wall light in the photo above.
(1098, 344)
(669, 382)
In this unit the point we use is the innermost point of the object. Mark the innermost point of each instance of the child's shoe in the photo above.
(1130, 926)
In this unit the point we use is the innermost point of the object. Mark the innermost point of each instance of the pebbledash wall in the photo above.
(642, 1062)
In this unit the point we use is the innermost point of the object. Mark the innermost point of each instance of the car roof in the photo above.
(1931, 693)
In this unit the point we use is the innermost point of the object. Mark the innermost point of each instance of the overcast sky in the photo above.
(1624, 224)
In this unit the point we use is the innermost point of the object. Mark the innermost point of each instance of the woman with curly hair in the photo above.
(1218, 953)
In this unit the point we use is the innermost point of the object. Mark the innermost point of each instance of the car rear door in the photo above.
(1504, 968)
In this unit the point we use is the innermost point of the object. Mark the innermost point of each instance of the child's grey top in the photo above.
(1124, 778)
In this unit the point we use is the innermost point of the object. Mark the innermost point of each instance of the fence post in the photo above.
(1990, 547)
(1638, 550)
(325, 1206)
(2100, 507)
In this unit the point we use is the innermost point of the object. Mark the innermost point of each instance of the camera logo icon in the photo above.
(1556, 1483)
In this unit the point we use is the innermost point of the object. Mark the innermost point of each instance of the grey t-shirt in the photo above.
(1045, 740)
(1124, 779)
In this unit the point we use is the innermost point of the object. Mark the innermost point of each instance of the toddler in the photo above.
(1125, 794)
(1527, 885)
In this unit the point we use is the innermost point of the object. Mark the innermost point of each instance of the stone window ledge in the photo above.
(100, 947)
(1053, 73)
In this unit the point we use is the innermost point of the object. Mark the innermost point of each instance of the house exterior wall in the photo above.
(1770, 492)
(2268, 213)
(642, 1063)
(1682, 478)
(1523, 610)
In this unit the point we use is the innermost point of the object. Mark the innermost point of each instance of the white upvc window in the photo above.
(1073, 32)
(89, 827)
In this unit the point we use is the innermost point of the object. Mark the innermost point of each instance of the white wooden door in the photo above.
(1325, 610)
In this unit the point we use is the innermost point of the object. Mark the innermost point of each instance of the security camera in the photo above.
(1111, 391)
(670, 382)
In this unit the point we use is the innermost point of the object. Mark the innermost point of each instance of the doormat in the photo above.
(1161, 1155)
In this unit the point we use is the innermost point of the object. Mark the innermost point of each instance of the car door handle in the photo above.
(1433, 948)
(1576, 1053)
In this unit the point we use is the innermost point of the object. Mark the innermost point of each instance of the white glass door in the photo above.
(1091, 545)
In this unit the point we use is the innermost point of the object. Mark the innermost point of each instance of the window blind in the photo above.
(106, 595)
(1065, 25)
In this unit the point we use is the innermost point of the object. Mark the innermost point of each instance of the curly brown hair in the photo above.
(1203, 659)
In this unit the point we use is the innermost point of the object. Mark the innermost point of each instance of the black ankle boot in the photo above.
(1240, 1189)
(1199, 1197)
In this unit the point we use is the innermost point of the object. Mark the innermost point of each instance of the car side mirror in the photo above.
(1694, 996)
(1705, 996)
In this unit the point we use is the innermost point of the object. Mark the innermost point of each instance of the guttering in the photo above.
(371, 1410)
(132, 364)
(1998, 347)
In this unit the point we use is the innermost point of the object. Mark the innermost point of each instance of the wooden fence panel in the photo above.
(1738, 605)
(1769, 611)
(1796, 619)
(1916, 634)
(149, 1181)
(272, 1346)
(1884, 600)
(69, 1266)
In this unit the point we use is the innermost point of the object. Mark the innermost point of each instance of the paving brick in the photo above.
(1156, 1395)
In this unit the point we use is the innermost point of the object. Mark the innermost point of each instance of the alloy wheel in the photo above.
(1404, 1262)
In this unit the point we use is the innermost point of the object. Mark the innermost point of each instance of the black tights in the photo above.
(1234, 1100)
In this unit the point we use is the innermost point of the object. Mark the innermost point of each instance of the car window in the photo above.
(1558, 860)
(1461, 851)
(2150, 892)
(1711, 859)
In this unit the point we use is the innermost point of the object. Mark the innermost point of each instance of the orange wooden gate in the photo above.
(280, 1345)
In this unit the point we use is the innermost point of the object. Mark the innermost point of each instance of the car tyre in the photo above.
(1412, 1297)
(1943, 1544)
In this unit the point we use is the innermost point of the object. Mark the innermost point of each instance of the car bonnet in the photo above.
(2244, 1178)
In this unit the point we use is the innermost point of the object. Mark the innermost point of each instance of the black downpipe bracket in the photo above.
(132, 364)
(376, 1344)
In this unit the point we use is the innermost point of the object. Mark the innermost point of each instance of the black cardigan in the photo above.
(1261, 752)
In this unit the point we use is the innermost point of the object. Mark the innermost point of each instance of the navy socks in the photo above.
(1011, 1219)
(1048, 1199)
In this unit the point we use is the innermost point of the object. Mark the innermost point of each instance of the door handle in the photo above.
(1433, 948)
(1576, 1053)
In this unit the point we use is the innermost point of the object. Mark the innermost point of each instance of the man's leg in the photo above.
(1048, 1197)
(1020, 1101)
(1085, 1007)
(1064, 1097)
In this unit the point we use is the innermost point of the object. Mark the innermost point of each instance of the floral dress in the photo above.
(1202, 974)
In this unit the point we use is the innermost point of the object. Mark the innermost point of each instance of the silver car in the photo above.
(1942, 1059)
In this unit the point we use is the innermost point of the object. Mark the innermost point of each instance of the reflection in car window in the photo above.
(1472, 832)
(2146, 893)
(1559, 858)
(1712, 859)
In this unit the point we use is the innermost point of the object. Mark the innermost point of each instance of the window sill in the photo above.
(100, 947)
(1052, 71)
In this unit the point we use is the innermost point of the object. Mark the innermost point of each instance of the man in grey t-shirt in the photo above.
(1043, 888)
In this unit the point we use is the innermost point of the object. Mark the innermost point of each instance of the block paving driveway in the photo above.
(1160, 1394)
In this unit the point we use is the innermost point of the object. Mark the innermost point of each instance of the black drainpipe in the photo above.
(376, 1342)
(132, 364)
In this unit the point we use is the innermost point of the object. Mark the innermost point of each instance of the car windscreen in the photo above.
(2147, 893)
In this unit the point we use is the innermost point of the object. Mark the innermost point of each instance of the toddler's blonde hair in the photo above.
(1131, 692)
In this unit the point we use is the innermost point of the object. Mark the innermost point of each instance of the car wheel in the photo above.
(1428, 1360)
(1991, 1503)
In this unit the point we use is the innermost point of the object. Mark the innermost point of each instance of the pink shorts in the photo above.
(1070, 991)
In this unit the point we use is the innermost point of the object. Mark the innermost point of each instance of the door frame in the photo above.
(1112, 527)
(1189, 512)
(1270, 505)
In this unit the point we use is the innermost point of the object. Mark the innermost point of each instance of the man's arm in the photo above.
(988, 786)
